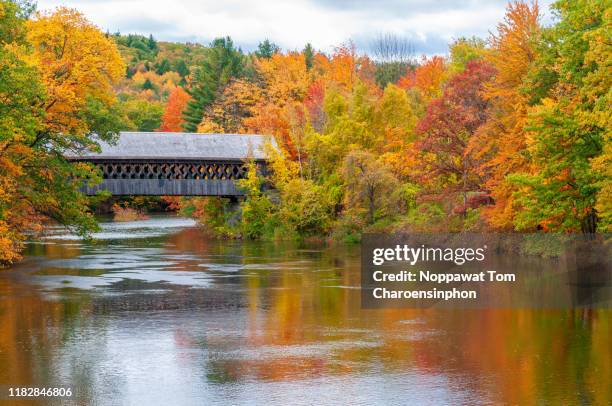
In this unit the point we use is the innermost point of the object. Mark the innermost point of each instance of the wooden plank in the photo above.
(166, 187)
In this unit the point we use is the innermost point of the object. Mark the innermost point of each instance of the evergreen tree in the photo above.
(266, 49)
(221, 63)
(309, 54)
(181, 68)
(152, 44)
(147, 85)
(162, 67)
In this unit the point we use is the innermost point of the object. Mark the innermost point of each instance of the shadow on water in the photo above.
(156, 313)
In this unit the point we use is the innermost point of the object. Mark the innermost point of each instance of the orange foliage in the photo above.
(346, 67)
(124, 214)
(172, 119)
(271, 120)
(502, 137)
(428, 77)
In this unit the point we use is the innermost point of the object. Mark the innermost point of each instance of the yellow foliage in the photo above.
(8, 246)
(76, 61)
(64, 70)
(603, 165)
(239, 101)
(209, 126)
(286, 76)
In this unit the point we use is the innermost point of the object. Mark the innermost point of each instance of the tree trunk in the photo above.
(371, 205)
(589, 222)
(464, 211)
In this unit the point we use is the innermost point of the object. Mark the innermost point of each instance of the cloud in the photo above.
(405, 7)
(145, 24)
(291, 24)
(429, 44)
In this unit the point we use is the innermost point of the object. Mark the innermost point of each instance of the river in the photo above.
(154, 312)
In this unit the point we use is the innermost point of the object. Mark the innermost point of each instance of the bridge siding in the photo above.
(188, 164)
(166, 187)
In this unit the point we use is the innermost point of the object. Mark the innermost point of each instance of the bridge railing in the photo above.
(172, 170)
(171, 178)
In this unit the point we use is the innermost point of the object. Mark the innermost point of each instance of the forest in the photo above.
(508, 133)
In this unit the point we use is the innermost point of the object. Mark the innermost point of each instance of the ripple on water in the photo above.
(154, 227)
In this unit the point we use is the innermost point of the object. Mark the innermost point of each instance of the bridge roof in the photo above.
(180, 146)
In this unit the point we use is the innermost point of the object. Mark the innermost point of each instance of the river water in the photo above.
(153, 312)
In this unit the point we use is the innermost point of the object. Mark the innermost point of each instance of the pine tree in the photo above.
(151, 43)
(309, 55)
(222, 63)
(162, 67)
(181, 68)
(266, 49)
(147, 85)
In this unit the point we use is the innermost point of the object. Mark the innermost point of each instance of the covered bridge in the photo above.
(175, 164)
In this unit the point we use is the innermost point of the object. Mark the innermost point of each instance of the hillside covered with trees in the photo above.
(506, 133)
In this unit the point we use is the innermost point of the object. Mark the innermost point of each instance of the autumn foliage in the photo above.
(508, 133)
(172, 120)
(427, 78)
(465, 140)
(448, 168)
(58, 72)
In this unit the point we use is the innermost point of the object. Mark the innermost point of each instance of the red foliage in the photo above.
(450, 122)
(314, 104)
(459, 112)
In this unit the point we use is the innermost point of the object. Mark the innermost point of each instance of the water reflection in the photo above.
(173, 318)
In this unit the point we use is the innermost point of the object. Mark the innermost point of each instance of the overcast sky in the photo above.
(291, 23)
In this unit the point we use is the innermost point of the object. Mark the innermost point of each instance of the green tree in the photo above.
(222, 63)
(305, 208)
(181, 68)
(350, 122)
(147, 85)
(464, 50)
(309, 54)
(570, 123)
(142, 115)
(163, 67)
(266, 49)
(152, 44)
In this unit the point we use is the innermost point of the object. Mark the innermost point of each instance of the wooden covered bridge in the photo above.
(175, 164)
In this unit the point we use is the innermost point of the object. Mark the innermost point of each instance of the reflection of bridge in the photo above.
(174, 164)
